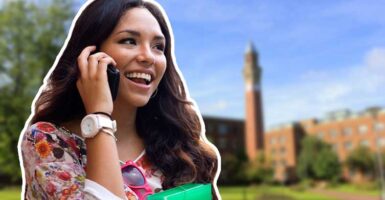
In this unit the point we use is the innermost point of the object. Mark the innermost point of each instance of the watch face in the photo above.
(88, 127)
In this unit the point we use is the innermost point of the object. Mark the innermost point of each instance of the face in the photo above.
(137, 46)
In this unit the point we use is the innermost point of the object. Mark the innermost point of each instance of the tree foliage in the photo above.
(233, 170)
(326, 165)
(361, 159)
(317, 160)
(30, 39)
(259, 170)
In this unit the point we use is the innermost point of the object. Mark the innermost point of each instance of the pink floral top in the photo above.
(54, 164)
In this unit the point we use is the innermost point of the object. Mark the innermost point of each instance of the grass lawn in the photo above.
(268, 193)
(10, 193)
(367, 189)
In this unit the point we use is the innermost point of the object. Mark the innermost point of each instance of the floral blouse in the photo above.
(54, 162)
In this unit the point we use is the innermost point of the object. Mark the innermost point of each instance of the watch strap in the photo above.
(103, 113)
(109, 132)
(106, 122)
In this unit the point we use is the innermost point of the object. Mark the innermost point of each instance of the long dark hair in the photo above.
(168, 124)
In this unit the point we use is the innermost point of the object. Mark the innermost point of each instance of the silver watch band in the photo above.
(109, 132)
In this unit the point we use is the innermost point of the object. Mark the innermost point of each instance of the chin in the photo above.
(138, 101)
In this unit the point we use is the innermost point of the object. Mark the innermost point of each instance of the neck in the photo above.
(129, 144)
(125, 116)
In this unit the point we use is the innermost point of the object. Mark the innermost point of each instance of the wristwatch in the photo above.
(92, 124)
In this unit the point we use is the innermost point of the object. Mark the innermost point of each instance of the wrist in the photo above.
(103, 113)
(99, 110)
(93, 124)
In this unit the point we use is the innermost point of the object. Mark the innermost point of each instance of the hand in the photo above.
(93, 83)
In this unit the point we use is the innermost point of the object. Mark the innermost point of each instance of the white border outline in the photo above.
(195, 107)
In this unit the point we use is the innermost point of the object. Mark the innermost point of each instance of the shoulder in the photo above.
(51, 142)
(49, 131)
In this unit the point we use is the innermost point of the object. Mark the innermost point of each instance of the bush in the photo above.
(317, 161)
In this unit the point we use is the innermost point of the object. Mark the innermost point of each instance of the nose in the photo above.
(145, 56)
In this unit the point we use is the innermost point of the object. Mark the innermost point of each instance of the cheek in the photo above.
(121, 61)
(161, 68)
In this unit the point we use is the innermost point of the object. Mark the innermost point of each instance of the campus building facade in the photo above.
(343, 130)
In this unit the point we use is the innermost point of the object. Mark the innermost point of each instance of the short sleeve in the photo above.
(52, 163)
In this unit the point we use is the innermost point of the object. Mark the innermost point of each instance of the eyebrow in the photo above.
(137, 34)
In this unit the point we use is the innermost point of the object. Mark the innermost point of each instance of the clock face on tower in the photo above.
(252, 75)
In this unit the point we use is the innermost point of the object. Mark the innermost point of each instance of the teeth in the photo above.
(144, 76)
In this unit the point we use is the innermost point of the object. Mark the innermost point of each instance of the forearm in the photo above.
(103, 163)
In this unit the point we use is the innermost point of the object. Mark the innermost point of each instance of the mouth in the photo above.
(139, 78)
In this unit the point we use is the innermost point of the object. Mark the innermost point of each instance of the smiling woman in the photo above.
(79, 142)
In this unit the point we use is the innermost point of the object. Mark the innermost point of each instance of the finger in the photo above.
(106, 55)
(93, 62)
(82, 60)
(103, 64)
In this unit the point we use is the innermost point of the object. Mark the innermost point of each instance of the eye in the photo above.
(130, 41)
(160, 47)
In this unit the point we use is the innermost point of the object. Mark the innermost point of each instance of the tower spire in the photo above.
(254, 115)
(250, 48)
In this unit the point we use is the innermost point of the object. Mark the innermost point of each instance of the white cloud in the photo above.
(375, 60)
(214, 107)
(316, 93)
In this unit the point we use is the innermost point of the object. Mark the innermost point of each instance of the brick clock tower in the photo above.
(254, 114)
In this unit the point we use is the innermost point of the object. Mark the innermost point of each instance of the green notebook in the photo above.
(190, 191)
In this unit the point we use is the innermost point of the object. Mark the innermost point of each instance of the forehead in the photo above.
(139, 19)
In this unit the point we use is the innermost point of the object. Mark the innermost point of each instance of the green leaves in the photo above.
(30, 38)
(317, 160)
(361, 159)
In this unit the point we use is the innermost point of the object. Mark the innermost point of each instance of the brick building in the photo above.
(343, 129)
(227, 134)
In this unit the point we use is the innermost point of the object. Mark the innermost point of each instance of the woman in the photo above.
(65, 155)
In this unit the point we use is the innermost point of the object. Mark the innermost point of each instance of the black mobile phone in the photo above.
(113, 80)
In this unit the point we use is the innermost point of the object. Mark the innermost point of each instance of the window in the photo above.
(222, 129)
(333, 133)
(272, 140)
(274, 163)
(381, 142)
(379, 126)
(282, 139)
(348, 145)
(362, 129)
(282, 151)
(320, 135)
(335, 147)
(209, 128)
(364, 143)
(273, 152)
(222, 143)
(347, 131)
(283, 163)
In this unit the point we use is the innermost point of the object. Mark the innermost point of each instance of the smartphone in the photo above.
(113, 80)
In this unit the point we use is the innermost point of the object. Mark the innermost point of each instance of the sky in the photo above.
(316, 56)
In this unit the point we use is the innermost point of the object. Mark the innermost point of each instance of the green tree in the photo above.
(259, 170)
(326, 165)
(233, 170)
(317, 160)
(30, 39)
(361, 160)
